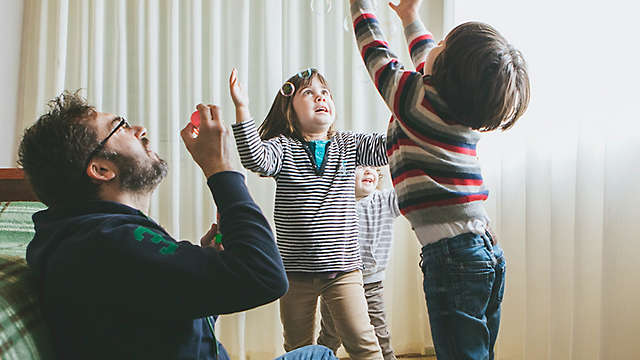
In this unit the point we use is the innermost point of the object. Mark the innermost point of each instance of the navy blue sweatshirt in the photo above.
(115, 285)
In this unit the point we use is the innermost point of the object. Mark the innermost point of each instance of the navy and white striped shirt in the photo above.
(315, 215)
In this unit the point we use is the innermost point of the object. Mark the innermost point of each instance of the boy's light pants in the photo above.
(344, 296)
(374, 292)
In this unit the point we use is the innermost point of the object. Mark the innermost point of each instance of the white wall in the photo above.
(10, 44)
(582, 55)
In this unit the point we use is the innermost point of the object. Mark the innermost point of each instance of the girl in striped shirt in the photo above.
(315, 215)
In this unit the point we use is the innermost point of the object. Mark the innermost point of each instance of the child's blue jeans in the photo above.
(463, 284)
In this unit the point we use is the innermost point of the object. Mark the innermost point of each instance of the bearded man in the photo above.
(114, 284)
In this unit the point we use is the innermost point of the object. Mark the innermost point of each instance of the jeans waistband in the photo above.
(450, 245)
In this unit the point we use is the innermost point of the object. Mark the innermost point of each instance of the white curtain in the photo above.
(152, 61)
(564, 182)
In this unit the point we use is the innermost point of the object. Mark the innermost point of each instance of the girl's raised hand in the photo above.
(239, 97)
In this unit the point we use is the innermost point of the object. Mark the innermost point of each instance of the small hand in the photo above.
(407, 10)
(494, 237)
(208, 239)
(239, 97)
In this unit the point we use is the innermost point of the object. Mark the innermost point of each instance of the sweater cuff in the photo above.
(228, 188)
(360, 5)
(243, 126)
(245, 133)
(415, 28)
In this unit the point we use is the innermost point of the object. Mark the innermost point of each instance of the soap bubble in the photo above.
(321, 7)
(393, 27)
(287, 89)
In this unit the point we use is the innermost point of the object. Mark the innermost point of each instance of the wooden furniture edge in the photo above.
(14, 186)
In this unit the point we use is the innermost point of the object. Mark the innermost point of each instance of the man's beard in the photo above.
(137, 176)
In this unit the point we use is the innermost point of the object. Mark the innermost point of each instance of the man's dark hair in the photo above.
(481, 77)
(54, 151)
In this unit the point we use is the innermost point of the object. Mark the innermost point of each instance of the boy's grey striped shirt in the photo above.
(315, 215)
(376, 213)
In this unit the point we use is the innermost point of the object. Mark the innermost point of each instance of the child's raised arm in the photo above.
(403, 91)
(419, 39)
(372, 150)
(263, 157)
(239, 97)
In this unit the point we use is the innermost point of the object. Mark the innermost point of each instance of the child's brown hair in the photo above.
(482, 78)
(282, 119)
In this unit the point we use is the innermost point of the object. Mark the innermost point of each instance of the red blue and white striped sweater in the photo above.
(434, 166)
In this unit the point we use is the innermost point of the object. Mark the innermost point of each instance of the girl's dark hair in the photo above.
(282, 119)
(482, 78)
(54, 151)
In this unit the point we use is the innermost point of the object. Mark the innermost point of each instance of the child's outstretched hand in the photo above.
(407, 10)
(239, 97)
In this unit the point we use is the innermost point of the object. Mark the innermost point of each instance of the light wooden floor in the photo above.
(429, 354)
(417, 357)
(409, 357)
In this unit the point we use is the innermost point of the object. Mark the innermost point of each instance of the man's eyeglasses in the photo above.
(121, 123)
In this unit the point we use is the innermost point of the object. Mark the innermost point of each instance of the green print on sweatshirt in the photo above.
(156, 238)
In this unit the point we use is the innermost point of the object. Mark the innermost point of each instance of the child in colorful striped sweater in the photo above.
(473, 80)
(376, 209)
(315, 214)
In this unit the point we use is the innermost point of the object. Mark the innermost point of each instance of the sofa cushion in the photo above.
(23, 333)
(16, 226)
